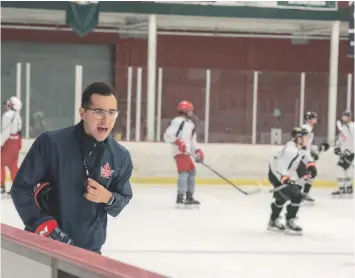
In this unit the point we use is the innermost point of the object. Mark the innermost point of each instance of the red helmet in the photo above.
(185, 106)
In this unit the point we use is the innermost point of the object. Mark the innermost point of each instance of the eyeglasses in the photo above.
(100, 113)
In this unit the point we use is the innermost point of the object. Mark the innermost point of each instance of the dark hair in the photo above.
(99, 88)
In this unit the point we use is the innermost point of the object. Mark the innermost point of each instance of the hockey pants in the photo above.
(289, 193)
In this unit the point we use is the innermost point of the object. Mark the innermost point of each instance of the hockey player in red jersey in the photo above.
(182, 135)
(11, 144)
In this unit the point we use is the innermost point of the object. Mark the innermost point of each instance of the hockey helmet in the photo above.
(310, 115)
(185, 106)
(347, 113)
(298, 132)
(14, 103)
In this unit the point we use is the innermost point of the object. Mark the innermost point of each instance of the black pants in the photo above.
(345, 160)
(301, 171)
(291, 193)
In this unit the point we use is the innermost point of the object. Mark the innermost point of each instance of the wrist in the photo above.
(109, 197)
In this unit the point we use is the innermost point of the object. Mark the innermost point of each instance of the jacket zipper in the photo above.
(87, 176)
(96, 204)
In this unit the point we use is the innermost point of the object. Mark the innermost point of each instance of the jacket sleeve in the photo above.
(121, 188)
(172, 130)
(32, 171)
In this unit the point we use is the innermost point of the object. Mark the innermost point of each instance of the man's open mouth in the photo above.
(102, 130)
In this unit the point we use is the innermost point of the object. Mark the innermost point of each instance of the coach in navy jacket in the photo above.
(86, 170)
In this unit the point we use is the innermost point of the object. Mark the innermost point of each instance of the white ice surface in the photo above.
(226, 237)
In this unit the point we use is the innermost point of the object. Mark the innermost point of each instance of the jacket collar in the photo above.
(87, 140)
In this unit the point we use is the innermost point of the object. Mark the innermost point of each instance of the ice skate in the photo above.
(349, 190)
(292, 228)
(343, 192)
(307, 200)
(5, 194)
(275, 226)
(339, 193)
(180, 201)
(190, 202)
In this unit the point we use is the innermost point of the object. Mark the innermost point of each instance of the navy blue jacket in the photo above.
(58, 157)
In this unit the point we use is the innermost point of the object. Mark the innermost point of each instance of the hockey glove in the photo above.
(337, 151)
(315, 155)
(285, 180)
(199, 156)
(48, 227)
(311, 169)
(323, 147)
(181, 145)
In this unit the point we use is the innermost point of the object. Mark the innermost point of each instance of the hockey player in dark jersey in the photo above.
(72, 178)
(283, 171)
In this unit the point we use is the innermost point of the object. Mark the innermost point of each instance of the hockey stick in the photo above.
(340, 129)
(229, 182)
(224, 178)
(321, 148)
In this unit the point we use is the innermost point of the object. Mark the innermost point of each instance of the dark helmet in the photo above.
(298, 132)
(310, 115)
(348, 113)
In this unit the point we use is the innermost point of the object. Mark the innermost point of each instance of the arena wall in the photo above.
(243, 164)
(184, 60)
(24, 254)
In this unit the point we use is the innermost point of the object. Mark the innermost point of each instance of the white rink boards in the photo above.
(227, 236)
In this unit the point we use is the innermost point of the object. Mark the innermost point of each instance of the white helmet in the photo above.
(14, 103)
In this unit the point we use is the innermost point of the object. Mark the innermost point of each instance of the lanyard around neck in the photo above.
(87, 172)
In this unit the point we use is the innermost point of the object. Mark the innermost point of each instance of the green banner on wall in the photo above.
(309, 5)
(82, 16)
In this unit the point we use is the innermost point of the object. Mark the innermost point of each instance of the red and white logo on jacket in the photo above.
(106, 171)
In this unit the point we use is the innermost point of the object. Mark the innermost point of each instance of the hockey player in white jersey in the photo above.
(311, 119)
(344, 148)
(283, 170)
(182, 135)
(11, 144)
